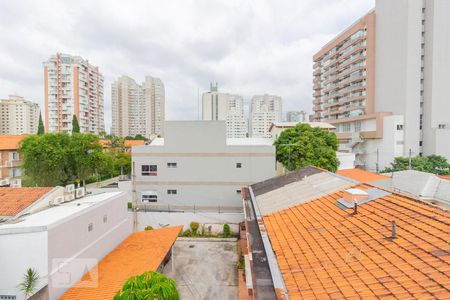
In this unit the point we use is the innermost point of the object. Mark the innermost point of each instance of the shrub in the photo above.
(226, 230)
(194, 227)
(187, 232)
(148, 228)
(130, 205)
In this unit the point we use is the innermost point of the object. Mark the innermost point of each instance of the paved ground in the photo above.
(204, 270)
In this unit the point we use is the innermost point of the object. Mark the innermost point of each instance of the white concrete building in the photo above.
(18, 116)
(264, 110)
(195, 164)
(138, 109)
(73, 87)
(226, 107)
(61, 243)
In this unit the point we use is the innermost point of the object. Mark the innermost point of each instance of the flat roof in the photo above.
(140, 252)
(54, 214)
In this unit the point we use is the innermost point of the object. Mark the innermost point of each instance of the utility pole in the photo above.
(378, 160)
(409, 164)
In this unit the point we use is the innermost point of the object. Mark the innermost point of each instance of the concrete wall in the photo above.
(18, 252)
(83, 252)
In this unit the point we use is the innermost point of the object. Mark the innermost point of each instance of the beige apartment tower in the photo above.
(73, 87)
(138, 108)
(18, 116)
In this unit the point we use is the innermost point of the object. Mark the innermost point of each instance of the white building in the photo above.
(61, 243)
(73, 87)
(264, 110)
(18, 116)
(225, 107)
(195, 164)
(138, 109)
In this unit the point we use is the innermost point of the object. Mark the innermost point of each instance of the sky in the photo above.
(248, 47)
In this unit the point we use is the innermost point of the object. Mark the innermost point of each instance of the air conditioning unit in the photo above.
(58, 200)
(69, 197)
(70, 188)
(80, 192)
(4, 182)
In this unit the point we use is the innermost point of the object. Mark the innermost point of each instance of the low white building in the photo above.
(196, 165)
(61, 243)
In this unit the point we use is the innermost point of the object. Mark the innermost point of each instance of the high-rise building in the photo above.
(138, 109)
(73, 87)
(18, 116)
(382, 82)
(297, 116)
(226, 107)
(264, 110)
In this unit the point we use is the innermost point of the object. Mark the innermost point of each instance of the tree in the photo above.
(59, 158)
(303, 146)
(75, 125)
(431, 164)
(136, 137)
(41, 129)
(29, 284)
(148, 285)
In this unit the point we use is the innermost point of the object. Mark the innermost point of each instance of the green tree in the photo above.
(75, 125)
(136, 137)
(29, 284)
(122, 164)
(41, 129)
(149, 285)
(431, 164)
(304, 145)
(59, 158)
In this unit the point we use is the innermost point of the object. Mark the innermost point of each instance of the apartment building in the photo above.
(227, 107)
(73, 87)
(18, 116)
(138, 108)
(381, 83)
(10, 160)
(264, 110)
(296, 116)
(196, 165)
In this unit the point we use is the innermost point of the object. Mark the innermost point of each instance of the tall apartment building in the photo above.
(381, 82)
(138, 109)
(73, 87)
(297, 116)
(264, 110)
(225, 107)
(18, 116)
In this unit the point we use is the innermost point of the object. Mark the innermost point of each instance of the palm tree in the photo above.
(29, 283)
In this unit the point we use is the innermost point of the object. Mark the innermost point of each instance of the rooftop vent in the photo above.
(358, 197)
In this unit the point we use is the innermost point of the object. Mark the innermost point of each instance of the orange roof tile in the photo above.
(140, 252)
(15, 200)
(324, 251)
(11, 142)
(130, 143)
(104, 143)
(361, 175)
(447, 177)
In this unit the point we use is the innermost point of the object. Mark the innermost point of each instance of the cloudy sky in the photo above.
(248, 47)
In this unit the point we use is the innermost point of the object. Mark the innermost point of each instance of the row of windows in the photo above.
(152, 170)
(153, 197)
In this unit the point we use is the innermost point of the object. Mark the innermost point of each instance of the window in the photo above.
(238, 191)
(399, 126)
(149, 196)
(171, 192)
(149, 170)
(346, 127)
(105, 218)
(238, 165)
(441, 126)
(357, 126)
(90, 227)
(171, 164)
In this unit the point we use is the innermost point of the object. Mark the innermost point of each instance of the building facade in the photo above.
(195, 165)
(138, 108)
(225, 107)
(73, 87)
(18, 116)
(382, 83)
(264, 110)
(10, 160)
(297, 116)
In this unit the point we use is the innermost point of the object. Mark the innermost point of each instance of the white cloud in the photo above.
(249, 47)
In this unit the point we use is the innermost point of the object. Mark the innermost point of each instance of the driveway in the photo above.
(204, 269)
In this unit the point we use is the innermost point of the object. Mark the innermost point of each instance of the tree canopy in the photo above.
(431, 164)
(41, 129)
(304, 145)
(136, 137)
(75, 125)
(148, 285)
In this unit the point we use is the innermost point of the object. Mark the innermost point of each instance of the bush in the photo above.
(148, 228)
(187, 232)
(194, 227)
(226, 230)
(130, 205)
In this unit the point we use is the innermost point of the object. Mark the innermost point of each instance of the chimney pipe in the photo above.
(394, 230)
(355, 208)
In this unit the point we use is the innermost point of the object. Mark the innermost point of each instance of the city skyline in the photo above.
(185, 58)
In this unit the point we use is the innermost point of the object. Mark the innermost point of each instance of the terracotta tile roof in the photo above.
(361, 175)
(15, 200)
(11, 142)
(130, 143)
(326, 252)
(447, 177)
(140, 252)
